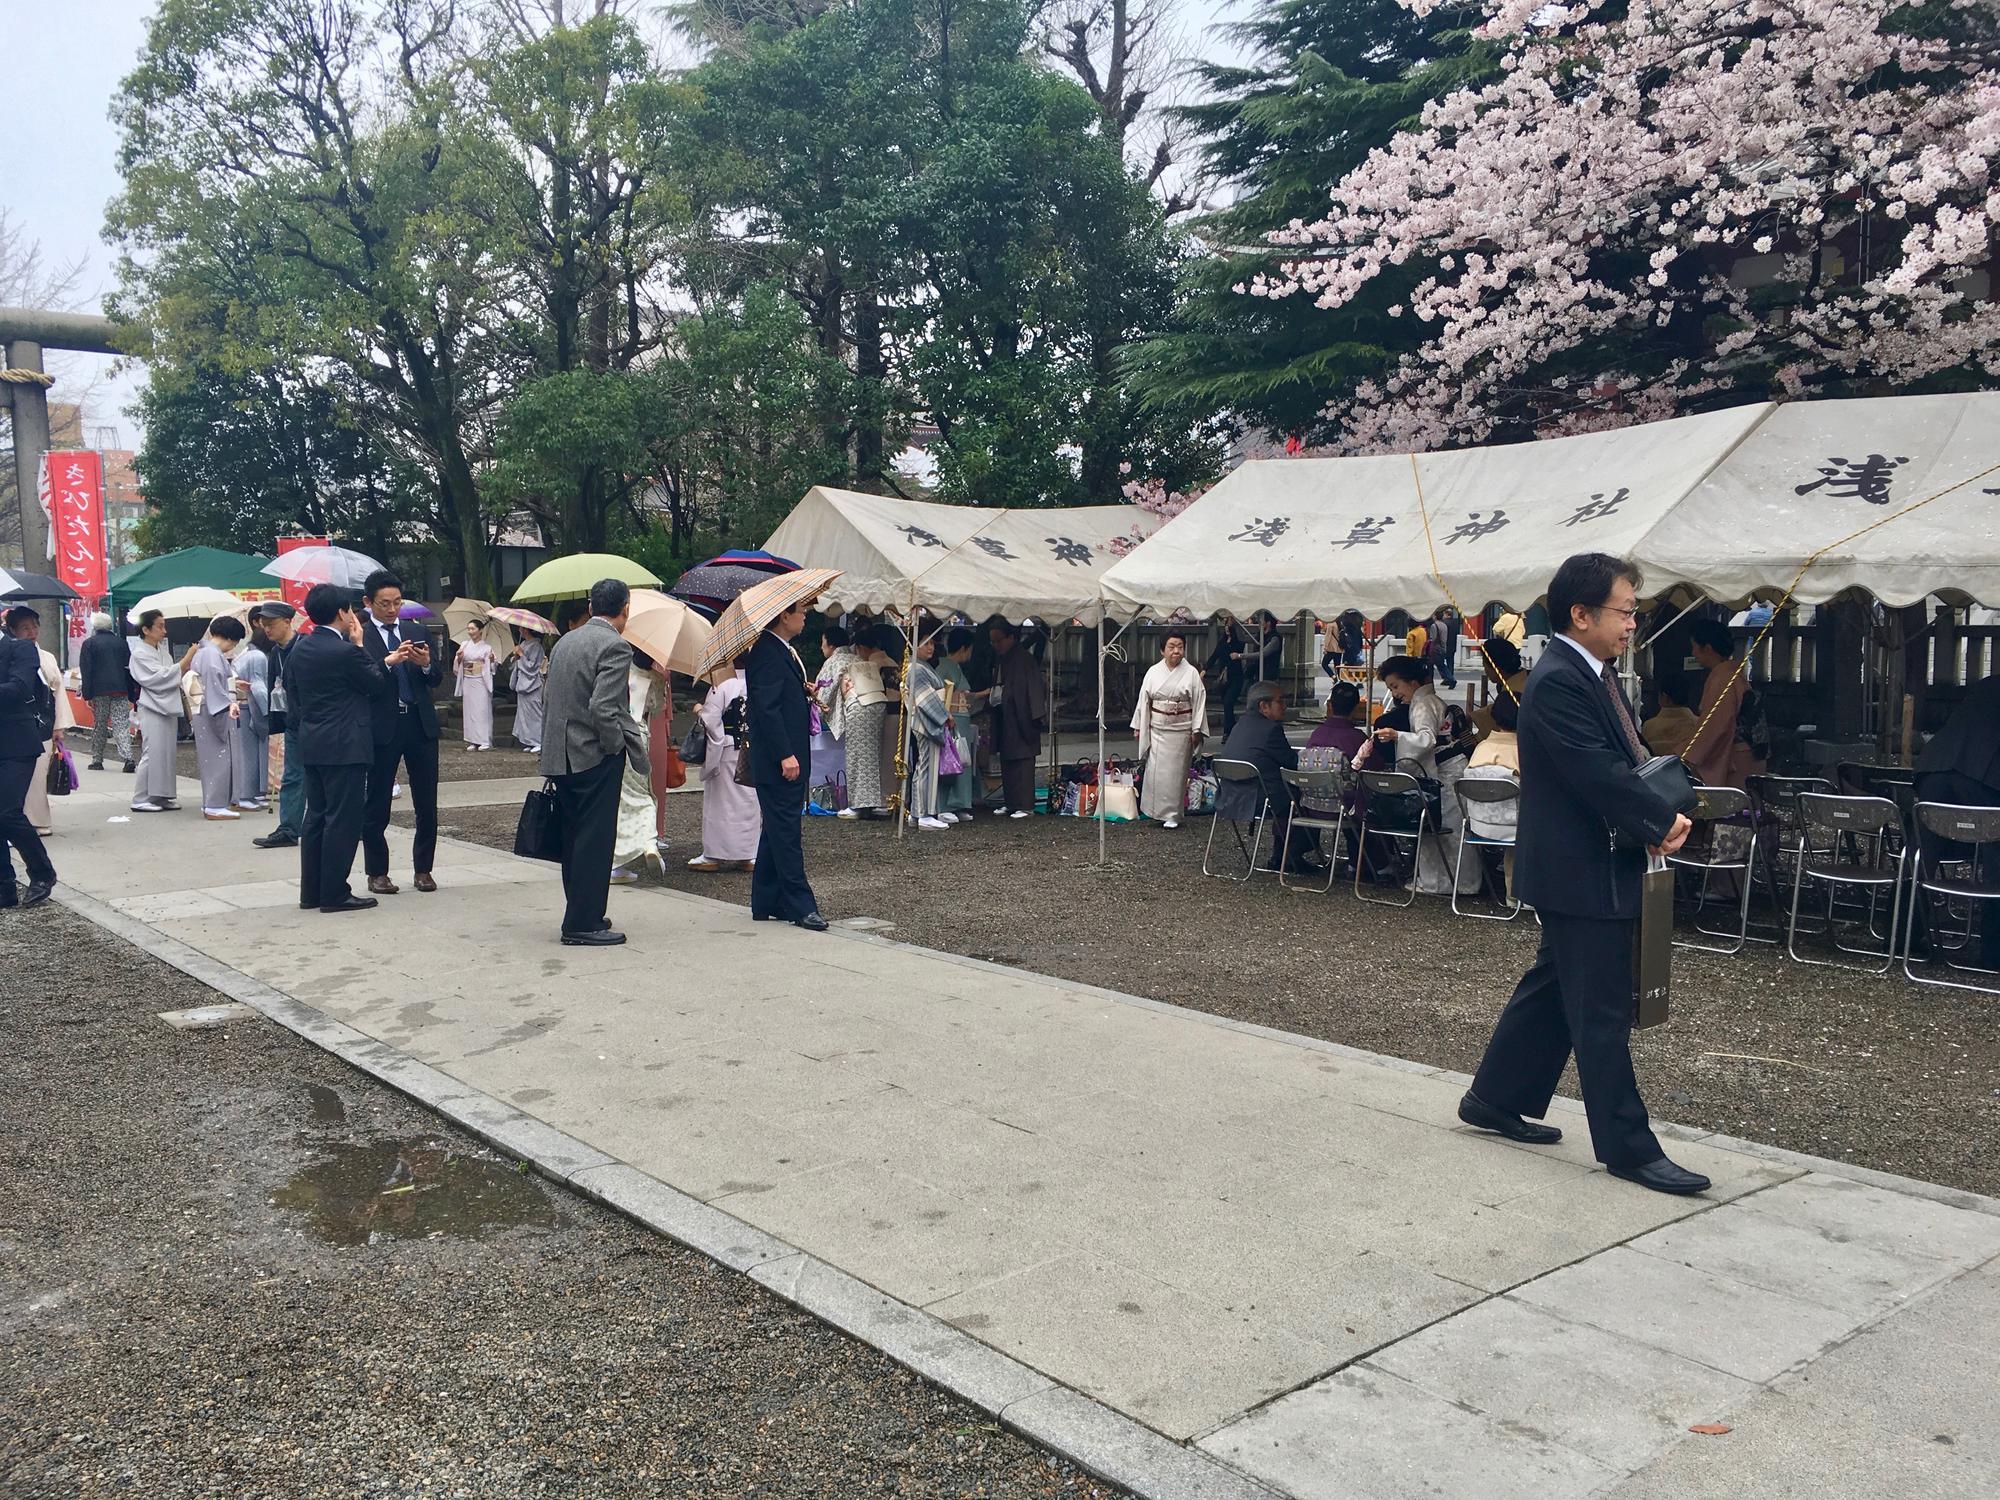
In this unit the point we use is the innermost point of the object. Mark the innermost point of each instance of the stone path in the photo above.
(1202, 1257)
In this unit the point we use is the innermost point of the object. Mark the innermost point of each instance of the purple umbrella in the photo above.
(412, 610)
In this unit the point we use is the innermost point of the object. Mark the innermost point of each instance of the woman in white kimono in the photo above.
(158, 678)
(252, 713)
(638, 814)
(731, 823)
(1426, 748)
(531, 659)
(472, 675)
(1173, 707)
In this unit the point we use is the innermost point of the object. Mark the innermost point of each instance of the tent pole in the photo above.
(1055, 728)
(1100, 731)
(1700, 598)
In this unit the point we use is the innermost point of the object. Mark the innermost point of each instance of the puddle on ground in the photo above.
(357, 1194)
(326, 1106)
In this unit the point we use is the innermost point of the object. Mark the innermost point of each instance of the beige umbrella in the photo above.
(667, 630)
(750, 611)
(461, 612)
(190, 602)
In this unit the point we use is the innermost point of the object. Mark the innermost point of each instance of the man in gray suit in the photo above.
(588, 734)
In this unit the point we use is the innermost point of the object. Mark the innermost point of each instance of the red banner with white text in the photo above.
(292, 590)
(74, 485)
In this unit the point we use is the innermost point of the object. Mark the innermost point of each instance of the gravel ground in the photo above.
(234, 1267)
(1870, 1070)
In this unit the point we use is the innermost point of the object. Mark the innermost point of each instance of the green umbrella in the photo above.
(571, 577)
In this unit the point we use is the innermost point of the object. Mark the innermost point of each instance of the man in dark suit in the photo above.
(406, 730)
(334, 687)
(27, 720)
(1580, 748)
(1961, 765)
(588, 735)
(1259, 738)
(780, 756)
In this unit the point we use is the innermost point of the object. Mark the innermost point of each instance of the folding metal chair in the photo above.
(1774, 802)
(1841, 846)
(1953, 838)
(1239, 799)
(1327, 789)
(1380, 786)
(1719, 810)
(1483, 792)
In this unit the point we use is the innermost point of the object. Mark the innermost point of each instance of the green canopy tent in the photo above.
(210, 567)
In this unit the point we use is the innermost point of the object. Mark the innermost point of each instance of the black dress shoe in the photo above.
(131, 766)
(1480, 1115)
(96, 765)
(276, 841)
(1663, 1176)
(36, 893)
(604, 937)
(812, 921)
(352, 903)
(762, 916)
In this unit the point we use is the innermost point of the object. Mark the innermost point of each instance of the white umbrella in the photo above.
(337, 565)
(192, 601)
(667, 630)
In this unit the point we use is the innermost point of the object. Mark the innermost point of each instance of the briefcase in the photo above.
(539, 833)
(1653, 946)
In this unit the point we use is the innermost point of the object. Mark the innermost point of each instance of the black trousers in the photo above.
(16, 831)
(336, 807)
(419, 754)
(1577, 995)
(1963, 791)
(778, 885)
(1017, 782)
(589, 804)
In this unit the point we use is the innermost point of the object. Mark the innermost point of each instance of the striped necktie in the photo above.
(1633, 743)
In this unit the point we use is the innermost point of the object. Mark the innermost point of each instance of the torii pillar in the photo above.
(24, 333)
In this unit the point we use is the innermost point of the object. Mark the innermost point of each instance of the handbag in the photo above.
(741, 776)
(1120, 800)
(62, 778)
(673, 770)
(538, 834)
(1669, 779)
(694, 745)
(951, 761)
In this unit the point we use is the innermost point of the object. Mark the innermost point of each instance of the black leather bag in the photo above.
(694, 744)
(1670, 779)
(539, 833)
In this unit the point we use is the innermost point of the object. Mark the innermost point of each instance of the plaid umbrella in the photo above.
(750, 611)
(527, 619)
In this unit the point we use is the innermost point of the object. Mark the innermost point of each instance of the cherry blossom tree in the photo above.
(1662, 205)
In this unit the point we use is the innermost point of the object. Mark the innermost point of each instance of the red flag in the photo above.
(290, 589)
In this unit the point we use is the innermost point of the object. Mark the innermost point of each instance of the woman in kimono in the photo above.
(1427, 748)
(930, 722)
(531, 660)
(638, 814)
(731, 823)
(252, 713)
(1169, 718)
(864, 708)
(472, 674)
(829, 755)
(956, 793)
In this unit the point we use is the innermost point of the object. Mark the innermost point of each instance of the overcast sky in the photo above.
(58, 166)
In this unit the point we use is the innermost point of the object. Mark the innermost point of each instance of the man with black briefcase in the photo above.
(1588, 824)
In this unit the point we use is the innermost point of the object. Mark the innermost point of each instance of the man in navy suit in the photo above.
(780, 756)
(27, 717)
(1580, 749)
(334, 688)
(406, 731)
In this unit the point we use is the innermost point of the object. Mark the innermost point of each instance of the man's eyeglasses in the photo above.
(1630, 614)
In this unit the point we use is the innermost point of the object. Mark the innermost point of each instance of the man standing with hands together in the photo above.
(1580, 749)
(333, 685)
(406, 730)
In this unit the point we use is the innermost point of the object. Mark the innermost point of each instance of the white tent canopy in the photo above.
(1731, 502)
(906, 555)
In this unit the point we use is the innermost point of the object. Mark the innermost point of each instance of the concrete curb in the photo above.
(1089, 1434)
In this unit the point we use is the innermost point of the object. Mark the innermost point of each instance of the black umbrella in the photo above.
(16, 583)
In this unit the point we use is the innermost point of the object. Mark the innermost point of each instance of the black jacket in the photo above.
(776, 710)
(105, 663)
(336, 691)
(1969, 743)
(422, 678)
(1577, 783)
(22, 695)
(1262, 742)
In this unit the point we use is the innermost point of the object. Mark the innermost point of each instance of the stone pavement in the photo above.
(1201, 1257)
